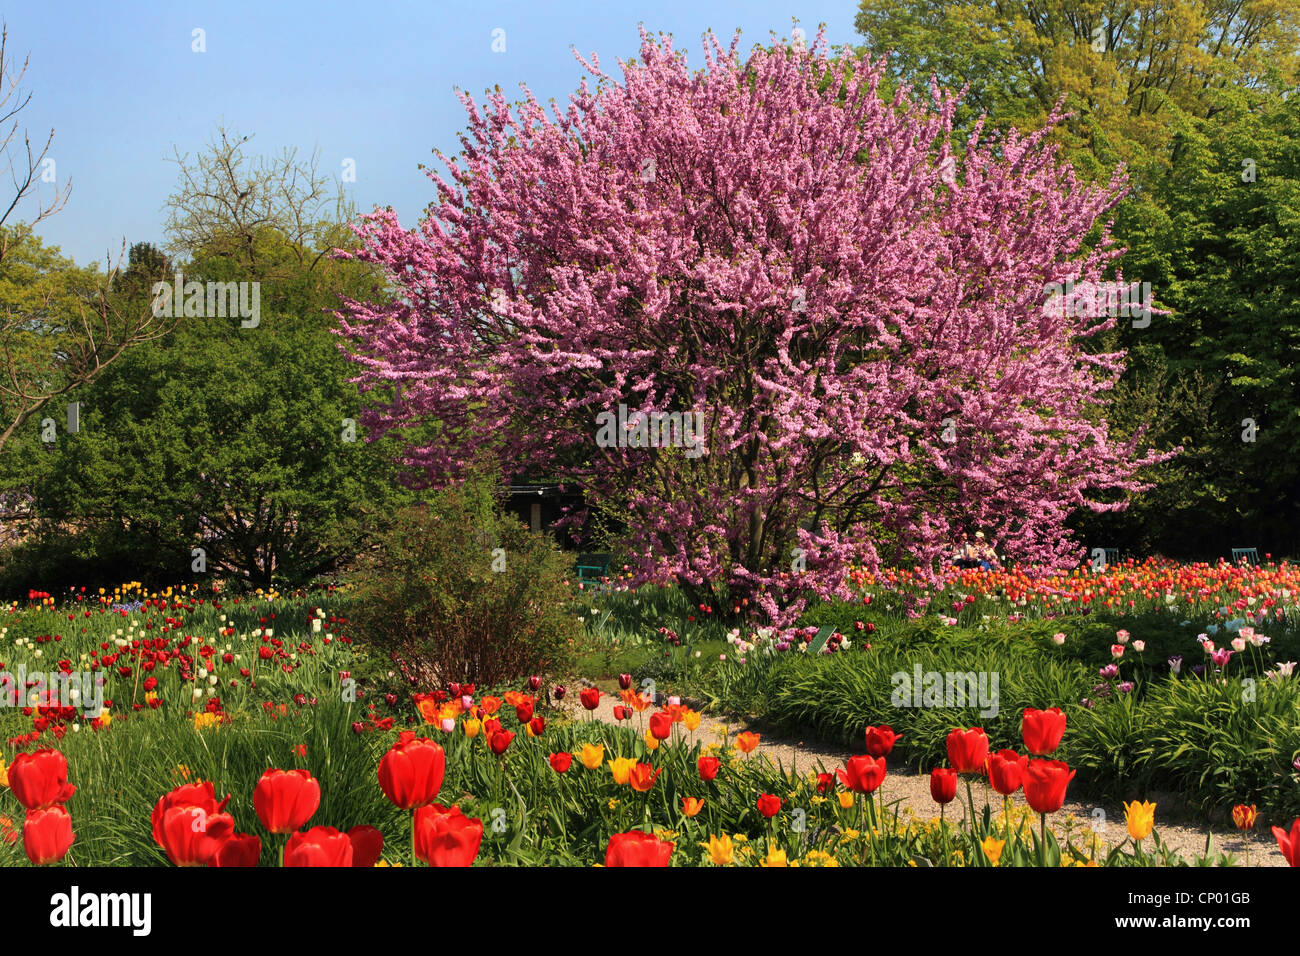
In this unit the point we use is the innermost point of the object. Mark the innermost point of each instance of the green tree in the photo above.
(233, 435)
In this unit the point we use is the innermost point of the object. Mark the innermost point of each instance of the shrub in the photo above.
(460, 592)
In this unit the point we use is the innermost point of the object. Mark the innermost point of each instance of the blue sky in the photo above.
(121, 86)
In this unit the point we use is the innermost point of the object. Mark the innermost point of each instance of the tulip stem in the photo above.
(943, 830)
(1042, 839)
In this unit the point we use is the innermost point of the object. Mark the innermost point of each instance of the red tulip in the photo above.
(638, 849)
(661, 725)
(967, 749)
(643, 777)
(1006, 771)
(825, 783)
(590, 697)
(769, 805)
(620, 713)
(709, 767)
(240, 849)
(199, 794)
(863, 773)
(367, 845)
(1045, 782)
(47, 834)
(1289, 844)
(411, 773)
(880, 740)
(624, 681)
(524, 711)
(560, 762)
(192, 836)
(500, 741)
(446, 837)
(286, 799)
(40, 780)
(1042, 730)
(943, 784)
(537, 726)
(319, 846)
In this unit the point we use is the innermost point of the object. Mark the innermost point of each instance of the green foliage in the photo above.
(227, 438)
(437, 593)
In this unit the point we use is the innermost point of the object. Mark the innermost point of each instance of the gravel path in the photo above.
(913, 790)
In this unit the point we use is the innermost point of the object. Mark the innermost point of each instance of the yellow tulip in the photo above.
(691, 719)
(993, 849)
(651, 741)
(621, 768)
(4, 773)
(1140, 817)
(592, 755)
(472, 727)
(721, 852)
(846, 798)
(775, 857)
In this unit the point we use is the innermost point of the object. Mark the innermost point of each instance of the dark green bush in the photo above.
(460, 592)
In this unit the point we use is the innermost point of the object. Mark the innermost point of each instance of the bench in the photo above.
(592, 567)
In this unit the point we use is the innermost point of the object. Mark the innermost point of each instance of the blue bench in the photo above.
(592, 567)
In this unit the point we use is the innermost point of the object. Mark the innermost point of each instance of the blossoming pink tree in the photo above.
(857, 312)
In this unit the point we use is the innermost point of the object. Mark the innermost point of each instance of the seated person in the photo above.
(966, 556)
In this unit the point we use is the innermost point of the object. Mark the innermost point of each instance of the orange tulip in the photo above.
(643, 777)
(692, 805)
(747, 742)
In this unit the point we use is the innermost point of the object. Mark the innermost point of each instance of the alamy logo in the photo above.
(53, 689)
(939, 689)
(212, 300)
(652, 430)
(75, 909)
(1087, 300)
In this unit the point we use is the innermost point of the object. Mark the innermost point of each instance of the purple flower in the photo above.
(1296, 763)
(1087, 703)
(1198, 669)
(1124, 686)
(1176, 663)
(1221, 657)
(1109, 672)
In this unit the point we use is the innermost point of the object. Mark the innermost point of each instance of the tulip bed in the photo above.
(232, 734)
